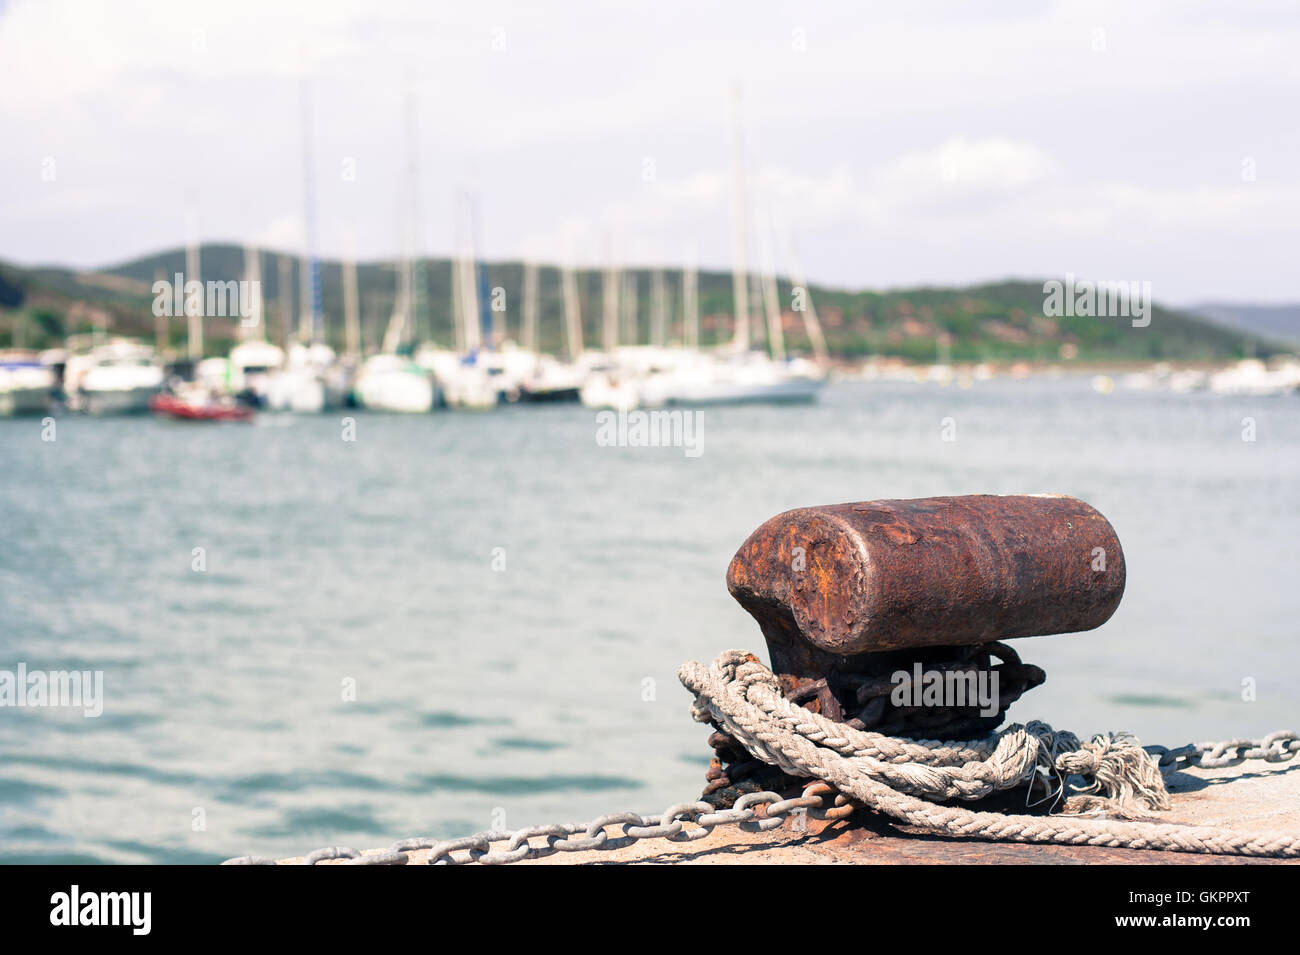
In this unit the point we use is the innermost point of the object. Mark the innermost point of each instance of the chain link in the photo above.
(1278, 747)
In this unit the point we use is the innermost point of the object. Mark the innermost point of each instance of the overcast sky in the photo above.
(898, 143)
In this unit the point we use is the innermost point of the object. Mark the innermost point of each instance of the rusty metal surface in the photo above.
(850, 595)
(945, 571)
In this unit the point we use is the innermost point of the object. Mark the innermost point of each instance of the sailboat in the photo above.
(254, 361)
(552, 380)
(341, 380)
(733, 378)
(290, 378)
(476, 378)
(1253, 378)
(733, 374)
(610, 381)
(392, 380)
(534, 377)
(299, 384)
(738, 374)
(394, 383)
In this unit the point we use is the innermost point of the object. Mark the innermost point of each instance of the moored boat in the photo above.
(1252, 378)
(394, 383)
(744, 378)
(199, 408)
(552, 381)
(118, 377)
(25, 383)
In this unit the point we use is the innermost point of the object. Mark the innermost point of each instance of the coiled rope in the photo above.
(905, 779)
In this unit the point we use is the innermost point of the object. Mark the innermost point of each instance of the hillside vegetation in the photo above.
(999, 321)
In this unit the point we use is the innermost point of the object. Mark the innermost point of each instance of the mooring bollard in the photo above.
(848, 594)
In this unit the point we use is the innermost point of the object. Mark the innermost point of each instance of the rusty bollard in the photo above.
(889, 580)
(850, 595)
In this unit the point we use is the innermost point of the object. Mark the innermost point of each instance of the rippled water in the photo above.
(545, 691)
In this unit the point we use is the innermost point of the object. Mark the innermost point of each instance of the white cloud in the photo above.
(282, 232)
(992, 166)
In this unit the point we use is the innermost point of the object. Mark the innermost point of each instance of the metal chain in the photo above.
(582, 837)
(1278, 747)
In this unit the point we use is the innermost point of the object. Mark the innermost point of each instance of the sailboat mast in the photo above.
(195, 321)
(630, 304)
(690, 301)
(572, 316)
(415, 282)
(457, 309)
(397, 321)
(609, 334)
(159, 323)
(284, 296)
(408, 298)
(309, 288)
(739, 279)
(351, 309)
(253, 275)
(658, 310)
(481, 277)
(468, 285)
(811, 323)
(529, 331)
(771, 300)
(304, 302)
(609, 302)
(757, 324)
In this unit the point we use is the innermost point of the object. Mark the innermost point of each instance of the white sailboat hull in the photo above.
(24, 389)
(722, 393)
(1252, 379)
(397, 390)
(603, 392)
(20, 400)
(742, 379)
(472, 388)
(123, 389)
(111, 401)
(298, 391)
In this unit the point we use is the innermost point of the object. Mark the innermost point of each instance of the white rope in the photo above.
(905, 778)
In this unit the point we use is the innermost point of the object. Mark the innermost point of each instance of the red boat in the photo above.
(175, 407)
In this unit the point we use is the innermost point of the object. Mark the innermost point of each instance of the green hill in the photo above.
(998, 321)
